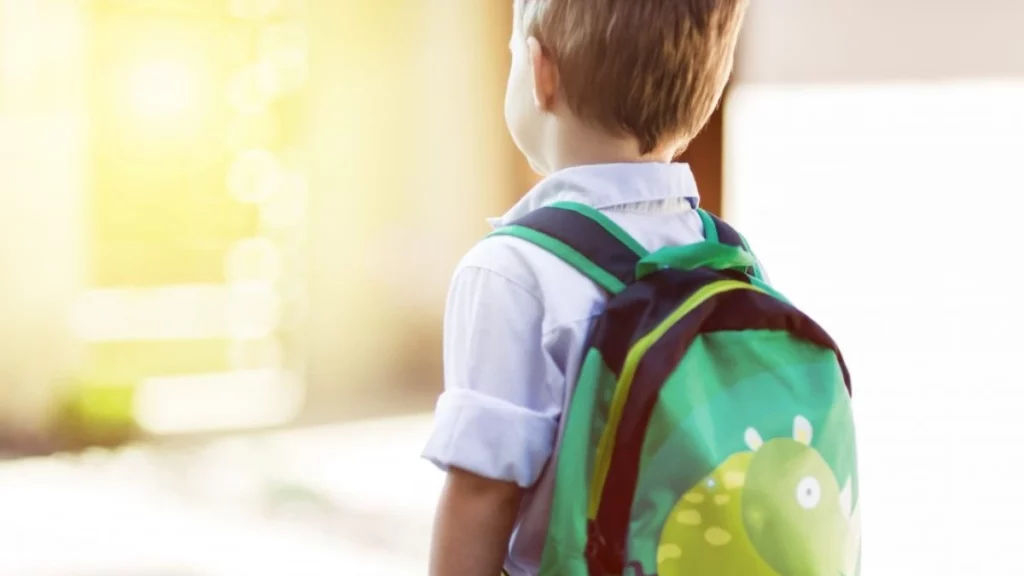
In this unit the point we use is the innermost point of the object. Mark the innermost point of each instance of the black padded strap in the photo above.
(727, 234)
(587, 236)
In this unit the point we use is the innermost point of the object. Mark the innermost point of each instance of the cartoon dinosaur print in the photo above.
(776, 510)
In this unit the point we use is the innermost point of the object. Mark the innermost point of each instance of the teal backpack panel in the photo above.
(710, 432)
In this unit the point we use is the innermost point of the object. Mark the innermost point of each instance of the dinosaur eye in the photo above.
(808, 492)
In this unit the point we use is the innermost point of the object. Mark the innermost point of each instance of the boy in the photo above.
(602, 95)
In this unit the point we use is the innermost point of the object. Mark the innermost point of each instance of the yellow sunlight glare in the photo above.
(164, 89)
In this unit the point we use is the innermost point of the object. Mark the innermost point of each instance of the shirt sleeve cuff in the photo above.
(490, 437)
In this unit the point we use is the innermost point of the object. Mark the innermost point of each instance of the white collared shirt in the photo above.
(515, 325)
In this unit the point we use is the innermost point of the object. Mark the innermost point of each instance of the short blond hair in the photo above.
(651, 69)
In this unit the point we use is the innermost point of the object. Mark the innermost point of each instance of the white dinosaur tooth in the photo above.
(753, 439)
(802, 430)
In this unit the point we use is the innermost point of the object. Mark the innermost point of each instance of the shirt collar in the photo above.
(602, 186)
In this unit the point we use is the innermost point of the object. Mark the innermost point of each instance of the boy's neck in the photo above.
(575, 144)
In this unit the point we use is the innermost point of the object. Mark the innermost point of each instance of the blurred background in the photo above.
(227, 229)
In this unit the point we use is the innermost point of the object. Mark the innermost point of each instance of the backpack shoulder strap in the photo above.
(585, 239)
(718, 230)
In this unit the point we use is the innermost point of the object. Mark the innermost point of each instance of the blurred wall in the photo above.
(410, 155)
(41, 186)
(795, 41)
(872, 154)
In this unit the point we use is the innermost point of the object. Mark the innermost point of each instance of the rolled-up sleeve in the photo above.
(498, 415)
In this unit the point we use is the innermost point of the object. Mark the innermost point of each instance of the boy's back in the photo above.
(519, 314)
(602, 94)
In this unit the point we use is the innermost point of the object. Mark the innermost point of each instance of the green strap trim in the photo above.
(758, 273)
(605, 222)
(599, 275)
(710, 230)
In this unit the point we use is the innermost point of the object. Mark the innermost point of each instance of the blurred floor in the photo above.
(351, 499)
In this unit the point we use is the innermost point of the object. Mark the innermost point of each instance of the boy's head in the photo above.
(642, 74)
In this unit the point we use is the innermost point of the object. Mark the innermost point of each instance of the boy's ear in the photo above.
(545, 76)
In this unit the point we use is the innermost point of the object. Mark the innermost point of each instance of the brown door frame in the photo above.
(704, 156)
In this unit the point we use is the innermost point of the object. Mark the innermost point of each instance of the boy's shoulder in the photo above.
(512, 259)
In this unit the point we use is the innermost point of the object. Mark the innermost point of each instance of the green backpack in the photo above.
(710, 432)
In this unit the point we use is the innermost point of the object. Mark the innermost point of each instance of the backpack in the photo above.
(710, 432)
